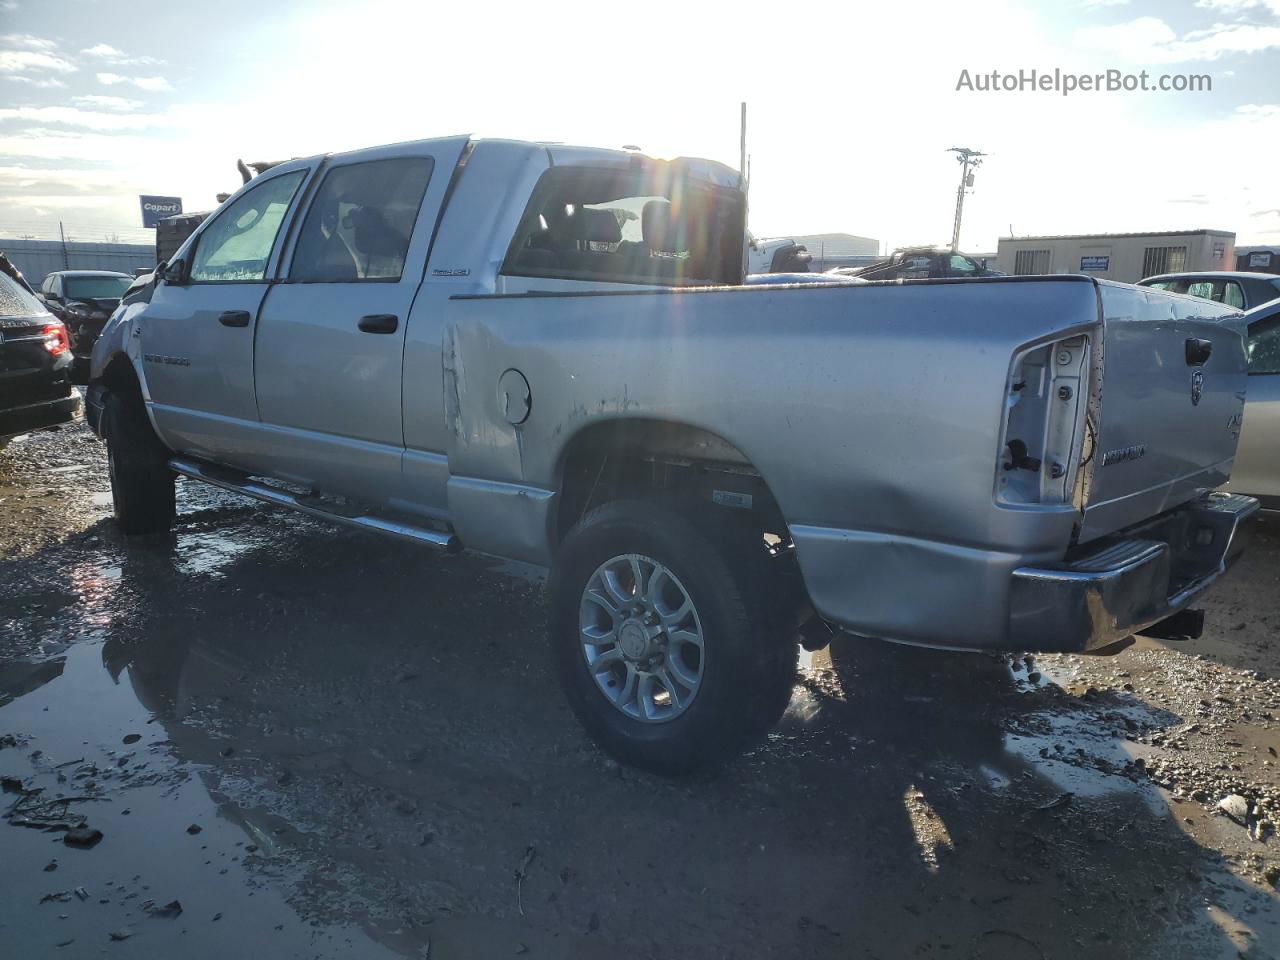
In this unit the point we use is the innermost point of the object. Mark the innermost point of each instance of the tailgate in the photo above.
(1167, 405)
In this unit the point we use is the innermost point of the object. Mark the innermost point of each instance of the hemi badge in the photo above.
(1124, 453)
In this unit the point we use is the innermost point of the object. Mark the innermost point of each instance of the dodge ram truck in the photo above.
(546, 353)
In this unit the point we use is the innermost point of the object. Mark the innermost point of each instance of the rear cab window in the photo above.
(629, 226)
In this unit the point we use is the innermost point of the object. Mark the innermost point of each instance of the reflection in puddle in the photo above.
(85, 736)
(931, 834)
(208, 552)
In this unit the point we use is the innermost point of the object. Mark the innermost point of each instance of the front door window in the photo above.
(236, 245)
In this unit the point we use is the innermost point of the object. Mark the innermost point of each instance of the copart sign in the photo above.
(156, 208)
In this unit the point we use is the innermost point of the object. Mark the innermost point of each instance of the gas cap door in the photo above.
(514, 398)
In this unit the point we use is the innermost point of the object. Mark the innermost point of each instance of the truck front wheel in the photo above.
(141, 483)
(662, 637)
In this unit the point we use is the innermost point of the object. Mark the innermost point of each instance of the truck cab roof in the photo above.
(566, 155)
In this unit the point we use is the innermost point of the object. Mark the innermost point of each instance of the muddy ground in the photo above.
(321, 744)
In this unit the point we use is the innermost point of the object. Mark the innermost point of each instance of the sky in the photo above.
(851, 106)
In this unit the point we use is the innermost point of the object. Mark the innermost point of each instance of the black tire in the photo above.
(138, 463)
(750, 655)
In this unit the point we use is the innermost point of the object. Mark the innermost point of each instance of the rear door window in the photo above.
(237, 244)
(1233, 295)
(1201, 288)
(359, 225)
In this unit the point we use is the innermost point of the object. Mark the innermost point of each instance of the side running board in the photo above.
(313, 506)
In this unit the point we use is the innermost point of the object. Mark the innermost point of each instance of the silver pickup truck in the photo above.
(545, 353)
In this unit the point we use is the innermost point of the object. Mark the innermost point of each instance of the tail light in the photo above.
(1045, 402)
(55, 339)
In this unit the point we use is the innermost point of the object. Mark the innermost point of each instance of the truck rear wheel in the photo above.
(138, 463)
(662, 637)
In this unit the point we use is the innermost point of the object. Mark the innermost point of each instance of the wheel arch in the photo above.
(636, 457)
(119, 373)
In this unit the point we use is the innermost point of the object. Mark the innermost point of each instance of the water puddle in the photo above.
(81, 734)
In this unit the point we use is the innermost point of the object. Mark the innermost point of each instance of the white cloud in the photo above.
(107, 102)
(26, 61)
(8, 6)
(154, 84)
(1240, 6)
(75, 117)
(26, 41)
(16, 177)
(1103, 3)
(103, 50)
(117, 57)
(46, 82)
(1149, 40)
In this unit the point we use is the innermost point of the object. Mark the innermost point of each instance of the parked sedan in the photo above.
(1234, 288)
(35, 390)
(1257, 466)
(83, 300)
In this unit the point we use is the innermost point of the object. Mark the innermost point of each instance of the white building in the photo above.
(1127, 257)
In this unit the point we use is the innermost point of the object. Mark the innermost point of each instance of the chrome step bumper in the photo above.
(1124, 586)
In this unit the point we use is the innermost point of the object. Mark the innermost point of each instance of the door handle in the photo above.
(1198, 350)
(234, 318)
(380, 323)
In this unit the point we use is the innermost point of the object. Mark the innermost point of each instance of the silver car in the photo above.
(1257, 467)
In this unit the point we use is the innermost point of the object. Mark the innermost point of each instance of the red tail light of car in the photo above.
(55, 339)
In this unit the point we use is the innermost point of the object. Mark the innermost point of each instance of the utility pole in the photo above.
(742, 145)
(62, 235)
(970, 160)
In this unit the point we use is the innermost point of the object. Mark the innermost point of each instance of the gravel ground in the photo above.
(319, 744)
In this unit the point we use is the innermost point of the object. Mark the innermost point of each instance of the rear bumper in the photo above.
(37, 416)
(963, 598)
(1123, 586)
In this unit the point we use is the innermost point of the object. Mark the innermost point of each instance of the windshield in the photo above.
(96, 288)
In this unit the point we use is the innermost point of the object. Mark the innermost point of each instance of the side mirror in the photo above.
(172, 273)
